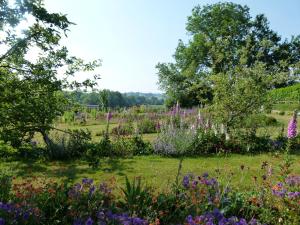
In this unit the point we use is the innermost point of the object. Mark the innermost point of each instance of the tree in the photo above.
(239, 93)
(223, 36)
(104, 99)
(30, 91)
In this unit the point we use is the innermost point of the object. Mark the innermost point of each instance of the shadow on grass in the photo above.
(116, 165)
(70, 170)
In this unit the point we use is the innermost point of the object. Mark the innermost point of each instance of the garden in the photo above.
(223, 149)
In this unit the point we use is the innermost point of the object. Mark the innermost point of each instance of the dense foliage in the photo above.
(223, 38)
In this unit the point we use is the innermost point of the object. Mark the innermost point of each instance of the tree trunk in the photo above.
(46, 138)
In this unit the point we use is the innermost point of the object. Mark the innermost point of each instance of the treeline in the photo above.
(291, 93)
(114, 99)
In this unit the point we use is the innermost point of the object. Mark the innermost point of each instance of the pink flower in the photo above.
(292, 127)
(109, 116)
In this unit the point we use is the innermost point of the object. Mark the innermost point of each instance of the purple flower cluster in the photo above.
(292, 127)
(88, 185)
(293, 180)
(216, 217)
(17, 213)
(108, 217)
(282, 190)
(188, 181)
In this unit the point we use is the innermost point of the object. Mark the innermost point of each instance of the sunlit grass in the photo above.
(159, 172)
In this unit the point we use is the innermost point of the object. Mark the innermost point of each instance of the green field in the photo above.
(156, 171)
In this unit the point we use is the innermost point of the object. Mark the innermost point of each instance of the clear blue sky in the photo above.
(132, 36)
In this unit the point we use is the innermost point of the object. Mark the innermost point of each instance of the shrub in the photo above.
(147, 125)
(140, 147)
(207, 142)
(122, 147)
(72, 144)
(7, 151)
(173, 141)
(250, 143)
(123, 129)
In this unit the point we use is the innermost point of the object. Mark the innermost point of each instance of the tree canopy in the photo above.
(224, 36)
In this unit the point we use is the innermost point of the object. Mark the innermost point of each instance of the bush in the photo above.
(7, 151)
(140, 147)
(173, 141)
(123, 129)
(250, 143)
(146, 126)
(122, 147)
(208, 143)
(72, 144)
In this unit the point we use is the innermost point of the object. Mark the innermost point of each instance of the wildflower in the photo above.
(205, 175)
(157, 126)
(2, 221)
(270, 171)
(292, 127)
(89, 221)
(108, 116)
(293, 180)
(294, 195)
(87, 181)
(92, 190)
(186, 181)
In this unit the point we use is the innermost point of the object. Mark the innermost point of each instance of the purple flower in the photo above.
(2, 221)
(92, 189)
(205, 175)
(89, 221)
(186, 181)
(109, 116)
(294, 195)
(87, 181)
(293, 180)
(157, 125)
(292, 127)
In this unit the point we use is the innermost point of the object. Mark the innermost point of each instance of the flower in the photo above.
(89, 221)
(109, 116)
(186, 181)
(292, 127)
(293, 180)
(87, 181)
(2, 221)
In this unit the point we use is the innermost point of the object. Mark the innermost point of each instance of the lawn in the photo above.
(156, 171)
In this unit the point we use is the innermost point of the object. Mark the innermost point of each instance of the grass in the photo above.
(156, 171)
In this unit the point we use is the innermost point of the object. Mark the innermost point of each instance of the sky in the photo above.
(132, 36)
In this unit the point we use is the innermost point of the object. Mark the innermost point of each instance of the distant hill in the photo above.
(146, 95)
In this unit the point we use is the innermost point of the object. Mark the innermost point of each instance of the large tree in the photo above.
(30, 91)
(224, 36)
